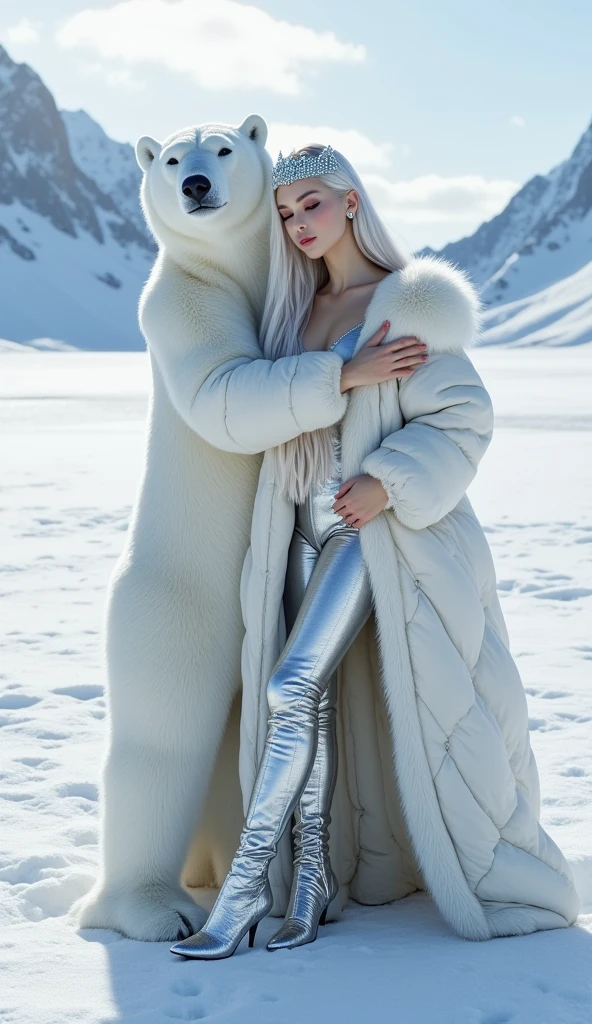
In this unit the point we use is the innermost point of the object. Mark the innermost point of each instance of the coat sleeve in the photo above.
(249, 405)
(217, 379)
(427, 465)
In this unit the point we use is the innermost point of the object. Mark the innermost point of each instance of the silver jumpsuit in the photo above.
(327, 600)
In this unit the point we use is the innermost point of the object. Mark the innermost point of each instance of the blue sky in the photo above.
(445, 108)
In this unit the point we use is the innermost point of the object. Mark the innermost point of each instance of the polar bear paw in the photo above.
(151, 913)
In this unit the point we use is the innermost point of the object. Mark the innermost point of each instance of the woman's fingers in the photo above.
(345, 487)
(406, 352)
(378, 337)
(410, 360)
(410, 344)
(397, 344)
(415, 355)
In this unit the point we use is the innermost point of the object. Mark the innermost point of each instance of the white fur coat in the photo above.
(437, 786)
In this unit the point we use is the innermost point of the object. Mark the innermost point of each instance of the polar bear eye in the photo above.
(224, 151)
(173, 160)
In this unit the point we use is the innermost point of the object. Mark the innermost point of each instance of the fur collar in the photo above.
(430, 299)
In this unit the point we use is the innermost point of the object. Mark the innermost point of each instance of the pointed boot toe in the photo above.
(203, 946)
(244, 899)
(292, 933)
(199, 945)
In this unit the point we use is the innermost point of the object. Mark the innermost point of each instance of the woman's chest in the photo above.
(345, 346)
(328, 323)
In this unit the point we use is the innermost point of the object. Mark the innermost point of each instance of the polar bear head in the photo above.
(204, 182)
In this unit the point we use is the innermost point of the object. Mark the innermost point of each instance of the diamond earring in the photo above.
(350, 214)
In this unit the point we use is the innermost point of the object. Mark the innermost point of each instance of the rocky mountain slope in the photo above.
(533, 261)
(74, 249)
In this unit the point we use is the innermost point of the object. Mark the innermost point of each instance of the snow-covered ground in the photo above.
(73, 428)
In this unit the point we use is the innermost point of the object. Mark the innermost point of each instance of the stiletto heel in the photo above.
(239, 896)
(323, 916)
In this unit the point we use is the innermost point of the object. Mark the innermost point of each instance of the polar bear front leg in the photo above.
(147, 827)
(171, 686)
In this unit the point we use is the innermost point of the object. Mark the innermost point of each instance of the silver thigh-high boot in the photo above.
(337, 602)
(315, 884)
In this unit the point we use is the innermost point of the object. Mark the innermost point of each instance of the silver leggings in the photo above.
(327, 600)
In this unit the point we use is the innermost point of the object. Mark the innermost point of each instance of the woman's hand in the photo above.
(360, 499)
(375, 362)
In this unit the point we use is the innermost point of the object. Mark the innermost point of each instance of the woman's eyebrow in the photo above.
(303, 196)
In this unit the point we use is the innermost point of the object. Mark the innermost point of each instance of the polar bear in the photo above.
(171, 804)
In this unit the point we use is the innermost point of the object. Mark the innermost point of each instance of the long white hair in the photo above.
(294, 279)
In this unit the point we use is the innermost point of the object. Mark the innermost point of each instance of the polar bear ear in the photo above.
(147, 149)
(255, 128)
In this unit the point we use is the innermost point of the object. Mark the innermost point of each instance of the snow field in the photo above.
(73, 430)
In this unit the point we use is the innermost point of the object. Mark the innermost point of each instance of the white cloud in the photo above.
(518, 121)
(432, 199)
(221, 45)
(358, 148)
(467, 199)
(25, 31)
(120, 78)
(450, 207)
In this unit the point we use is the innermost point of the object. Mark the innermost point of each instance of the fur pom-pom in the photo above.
(430, 299)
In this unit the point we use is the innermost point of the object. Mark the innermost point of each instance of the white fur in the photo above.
(171, 800)
(173, 624)
(434, 301)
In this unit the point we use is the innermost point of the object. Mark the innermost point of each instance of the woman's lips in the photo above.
(305, 241)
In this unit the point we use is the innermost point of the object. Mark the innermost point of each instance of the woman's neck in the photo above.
(348, 267)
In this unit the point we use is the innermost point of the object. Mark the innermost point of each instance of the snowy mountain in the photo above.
(533, 262)
(111, 165)
(74, 250)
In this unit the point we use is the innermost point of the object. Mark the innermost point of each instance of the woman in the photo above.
(366, 551)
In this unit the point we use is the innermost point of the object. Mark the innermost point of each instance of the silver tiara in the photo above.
(290, 168)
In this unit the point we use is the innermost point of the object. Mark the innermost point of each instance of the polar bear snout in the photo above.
(196, 187)
(199, 193)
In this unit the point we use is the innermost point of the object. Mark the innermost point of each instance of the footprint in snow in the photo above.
(80, 692)
(36, 762)
(575, 995)
(185, 987)
(86, 790)
(186, 1013)
(16, 702)
(564, 594)
(85, 839)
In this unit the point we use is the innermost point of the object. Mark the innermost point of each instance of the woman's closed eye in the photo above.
(313, 207)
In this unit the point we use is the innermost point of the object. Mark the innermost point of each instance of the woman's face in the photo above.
(314, 216)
